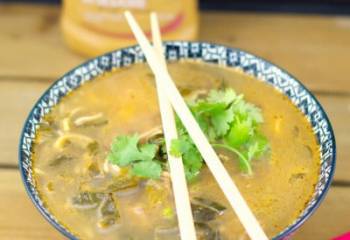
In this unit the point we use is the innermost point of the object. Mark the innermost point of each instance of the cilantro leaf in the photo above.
(124, 150)
(203, 123)
(213, 117)
(226, 96)
(239, 133)
(254, 113)
(179, 147)
(191, 175)
(148, 151)
(192, 158)
(221, 122)
(147, 169)
(203, 107)
(246, 110)
(258, 146)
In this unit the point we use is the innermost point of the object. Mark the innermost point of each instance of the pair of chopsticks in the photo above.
(168, 96)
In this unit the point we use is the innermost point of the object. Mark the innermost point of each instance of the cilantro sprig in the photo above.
(226, 118)
(230, 123)
(126, 151)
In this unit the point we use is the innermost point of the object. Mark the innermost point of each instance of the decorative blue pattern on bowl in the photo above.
(202, 51)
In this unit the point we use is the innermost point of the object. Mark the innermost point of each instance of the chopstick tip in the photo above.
(127, 13)
(153, 14)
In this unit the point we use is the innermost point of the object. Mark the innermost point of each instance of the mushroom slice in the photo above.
(195, 94)
(72, 138)
(202, 214)
(215, 206)
(205, 232)
(62, 158)
(205, 210)
(110, 184)
(108, 214)
(97, 119)
(86, 200)
(152, 133)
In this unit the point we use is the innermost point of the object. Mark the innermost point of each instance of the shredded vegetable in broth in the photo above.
(100, 163)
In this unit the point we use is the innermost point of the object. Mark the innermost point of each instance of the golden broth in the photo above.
(277, 192)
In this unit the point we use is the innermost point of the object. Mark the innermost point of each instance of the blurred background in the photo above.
(310, 6)
(40, 40)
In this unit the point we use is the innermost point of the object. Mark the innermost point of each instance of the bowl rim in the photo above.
(289, 230)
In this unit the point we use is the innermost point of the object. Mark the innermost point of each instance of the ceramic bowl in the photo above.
(202, 51)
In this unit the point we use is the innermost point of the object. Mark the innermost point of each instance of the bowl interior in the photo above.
(202, 51)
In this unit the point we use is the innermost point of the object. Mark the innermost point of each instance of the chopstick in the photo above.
(177, 174)
(213, 162)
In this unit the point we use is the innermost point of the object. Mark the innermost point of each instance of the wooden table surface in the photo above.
(316, 49)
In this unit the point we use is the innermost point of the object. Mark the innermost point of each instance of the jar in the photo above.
(92, 27)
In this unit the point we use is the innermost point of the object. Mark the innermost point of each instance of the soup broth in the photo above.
(72, 143)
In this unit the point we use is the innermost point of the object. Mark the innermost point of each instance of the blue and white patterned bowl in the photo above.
(206, 52)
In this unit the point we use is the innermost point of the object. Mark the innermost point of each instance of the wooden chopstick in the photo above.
(177, 174)
(213, 162)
